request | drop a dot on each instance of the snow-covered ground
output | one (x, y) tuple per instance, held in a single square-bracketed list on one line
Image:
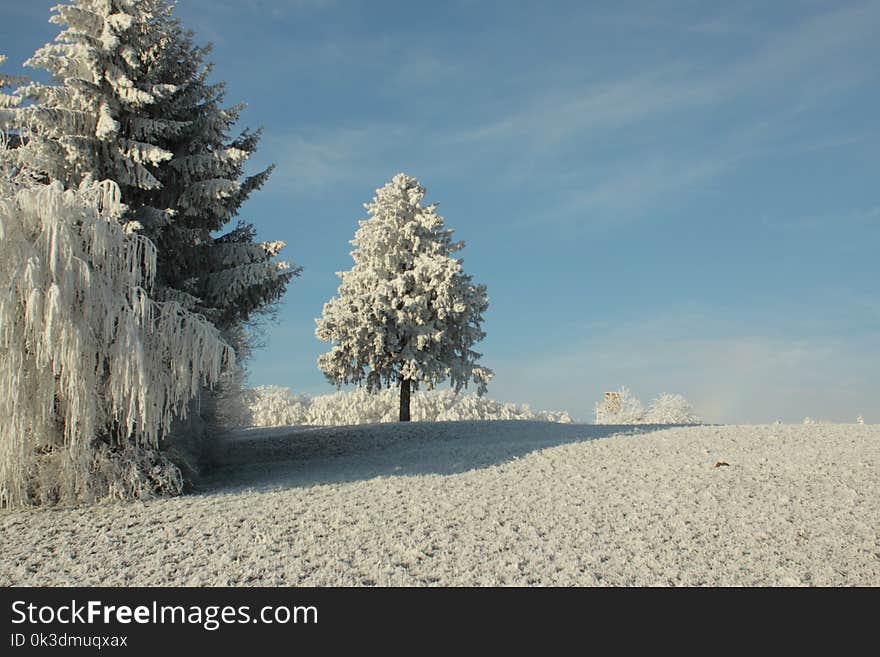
[(487, 503)]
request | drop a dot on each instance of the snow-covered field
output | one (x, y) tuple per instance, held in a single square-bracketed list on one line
[(487, 503)]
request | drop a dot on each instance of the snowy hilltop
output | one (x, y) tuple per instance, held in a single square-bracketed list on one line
[(488, 503)]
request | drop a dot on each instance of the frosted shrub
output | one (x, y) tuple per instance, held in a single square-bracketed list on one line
[(671, 409), (665, 409), (630, 410), (92, 369), (271, 406)]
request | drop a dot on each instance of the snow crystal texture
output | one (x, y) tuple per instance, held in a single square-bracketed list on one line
[(488, 503)]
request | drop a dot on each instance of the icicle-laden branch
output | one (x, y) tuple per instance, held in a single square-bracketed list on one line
[(144, 128), (203, 165), (231, 283), (7, 100), (212, 194), (225, 254), (9, 139), (92, 369)]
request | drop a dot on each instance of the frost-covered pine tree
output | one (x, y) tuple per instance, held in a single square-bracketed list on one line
[(230, 277), (406, 313), (90, 122), (92, 369), (132, 104)]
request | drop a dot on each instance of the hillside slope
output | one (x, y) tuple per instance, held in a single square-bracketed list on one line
[(487, 503)]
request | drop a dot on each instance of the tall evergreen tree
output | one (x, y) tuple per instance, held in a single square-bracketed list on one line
[(132, 104), (90, 123), (406, 312), (229, 277)]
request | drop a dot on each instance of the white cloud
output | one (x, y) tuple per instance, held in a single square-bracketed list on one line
[(313, 162), (643, 186), (555, 115), (792, 65), (804, 50)]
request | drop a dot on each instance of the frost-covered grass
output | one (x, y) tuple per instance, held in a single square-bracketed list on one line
[(275, 406), (487, 503)]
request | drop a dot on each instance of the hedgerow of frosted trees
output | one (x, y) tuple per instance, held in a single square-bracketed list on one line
[(273, 406)]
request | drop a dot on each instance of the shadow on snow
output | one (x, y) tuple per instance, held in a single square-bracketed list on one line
[(284, 457)]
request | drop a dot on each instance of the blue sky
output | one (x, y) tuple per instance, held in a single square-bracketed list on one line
[(678, 196)]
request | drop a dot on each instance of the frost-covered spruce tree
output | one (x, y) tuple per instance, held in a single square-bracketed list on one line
[(231, 277), (406, 313), (92, 369), (132, 104), (91, 122)]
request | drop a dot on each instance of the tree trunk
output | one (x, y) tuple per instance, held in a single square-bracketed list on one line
[(404, 400)]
